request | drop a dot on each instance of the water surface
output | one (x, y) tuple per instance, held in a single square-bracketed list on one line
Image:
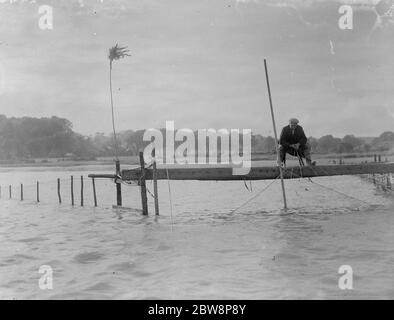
[(202, 250)]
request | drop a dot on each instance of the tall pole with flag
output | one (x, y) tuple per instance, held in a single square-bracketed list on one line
[(116, 53)]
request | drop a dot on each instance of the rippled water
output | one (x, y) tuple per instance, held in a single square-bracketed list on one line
[(204, 251)]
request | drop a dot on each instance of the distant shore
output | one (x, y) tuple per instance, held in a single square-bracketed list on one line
[(58, 162), (134, 160)]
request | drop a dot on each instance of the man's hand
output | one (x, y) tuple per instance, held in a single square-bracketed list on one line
[(295, 146)]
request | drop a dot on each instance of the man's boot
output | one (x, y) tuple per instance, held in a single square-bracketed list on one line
[(309, 162)]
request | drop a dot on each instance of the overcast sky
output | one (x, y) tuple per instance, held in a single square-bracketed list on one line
[(199, 63)]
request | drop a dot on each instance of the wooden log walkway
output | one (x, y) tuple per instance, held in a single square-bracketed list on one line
[(256, 173)]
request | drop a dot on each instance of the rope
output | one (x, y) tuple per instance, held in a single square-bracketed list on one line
[(344, 194), (334, 190), (250, 184), (132, 183), (151, 194), (301, 162), (255, 196), (384, 186)]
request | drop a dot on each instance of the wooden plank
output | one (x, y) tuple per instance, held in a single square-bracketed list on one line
[(259, 173), (102, 175)]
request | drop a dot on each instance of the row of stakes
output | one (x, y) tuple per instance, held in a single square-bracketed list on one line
[(58, 191), (376, 158), (382, 180), (142, 184)]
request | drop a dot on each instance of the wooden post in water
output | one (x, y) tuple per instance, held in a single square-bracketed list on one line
[(58, 190), (94, 193), (38, 191), (144, 199), (0, 192), (374, 158), (379, 158), (81, 191), (21, 191), (118, 185), (276, 136), (10, 191), (72, 190), (156, 194)]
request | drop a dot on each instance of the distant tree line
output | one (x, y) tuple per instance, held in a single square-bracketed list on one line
[(41, 138), (330, 144), (26, 138)]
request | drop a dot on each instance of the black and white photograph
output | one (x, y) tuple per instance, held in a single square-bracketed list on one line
[(222, 151)]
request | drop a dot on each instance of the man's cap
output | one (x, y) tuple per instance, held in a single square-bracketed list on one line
[(293, 121)]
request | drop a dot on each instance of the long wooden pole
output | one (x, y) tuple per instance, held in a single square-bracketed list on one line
[(112, 110), (118, 185), (81, 191), (72, 190), (94, 193), (38, 191), (58, 190), (144, 199), (21, 191), (155, 189), (276, 136)]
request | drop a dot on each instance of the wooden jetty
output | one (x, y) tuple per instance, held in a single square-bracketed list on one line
[(256, 173), (206, 173)]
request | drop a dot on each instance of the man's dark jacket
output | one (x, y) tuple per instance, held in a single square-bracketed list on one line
[(287, 137)]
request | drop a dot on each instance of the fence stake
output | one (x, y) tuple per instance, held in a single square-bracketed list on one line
[(156, 194), (38, 191), (72, 190), (118, 185), (58, 190), (94, 193), (144, 199), (81, 191)]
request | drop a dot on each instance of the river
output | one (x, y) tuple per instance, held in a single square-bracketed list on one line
[(198, 248)]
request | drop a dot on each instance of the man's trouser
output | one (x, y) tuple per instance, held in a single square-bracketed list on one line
[(303, 152)]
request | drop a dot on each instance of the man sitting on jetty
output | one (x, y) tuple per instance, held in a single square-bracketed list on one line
[(293, 141)]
